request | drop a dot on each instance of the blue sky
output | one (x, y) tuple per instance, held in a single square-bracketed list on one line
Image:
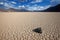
[(17, 3)]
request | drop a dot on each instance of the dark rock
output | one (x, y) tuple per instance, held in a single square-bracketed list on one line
[(37, 30)]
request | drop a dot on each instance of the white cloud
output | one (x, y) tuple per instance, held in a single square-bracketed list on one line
[(27, 7), (8, 5), (1, 3), (21, 6), (36, 1), (13, 2), (52, 0), (56, 1), (37, 8)]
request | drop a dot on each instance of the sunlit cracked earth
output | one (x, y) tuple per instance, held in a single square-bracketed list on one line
[(30, 5), (19, 26)]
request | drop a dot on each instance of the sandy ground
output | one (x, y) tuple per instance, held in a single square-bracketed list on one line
[(19, 26)]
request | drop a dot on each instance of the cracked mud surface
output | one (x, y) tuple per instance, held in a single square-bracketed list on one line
[(19, 26)]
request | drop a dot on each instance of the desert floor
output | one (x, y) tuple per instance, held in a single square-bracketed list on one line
[(19, 26)]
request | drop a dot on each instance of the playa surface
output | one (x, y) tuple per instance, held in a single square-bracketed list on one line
[(19, 26)]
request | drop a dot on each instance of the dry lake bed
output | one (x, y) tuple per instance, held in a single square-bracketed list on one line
[(29, 26)]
